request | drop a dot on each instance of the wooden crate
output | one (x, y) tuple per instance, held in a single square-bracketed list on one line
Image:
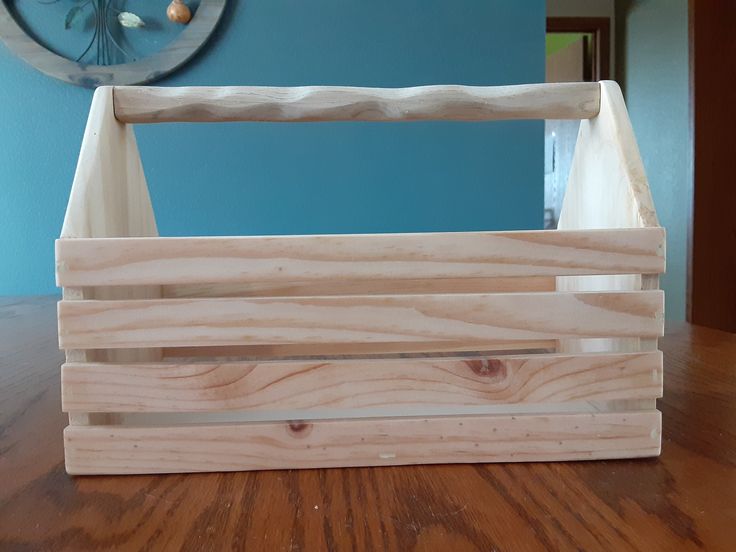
[(242, 353)]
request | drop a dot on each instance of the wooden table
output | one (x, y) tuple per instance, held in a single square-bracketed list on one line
[(684, 500)]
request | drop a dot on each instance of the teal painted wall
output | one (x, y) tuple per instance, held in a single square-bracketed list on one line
[(234, 179), (652, 67)]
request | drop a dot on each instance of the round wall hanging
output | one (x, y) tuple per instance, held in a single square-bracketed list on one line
[(107, 42)]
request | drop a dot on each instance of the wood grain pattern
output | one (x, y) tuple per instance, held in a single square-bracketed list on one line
[(109, 198), (607, 188), (360, 256), (369, 442), (683, 500), (358, 383), (136, 104), (109, 195), (356, 319)]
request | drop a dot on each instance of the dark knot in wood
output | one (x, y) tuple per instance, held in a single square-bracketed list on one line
[(487, 367), (299, 428)]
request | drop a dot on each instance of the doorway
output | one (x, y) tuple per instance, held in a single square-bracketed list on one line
[(577, 50)]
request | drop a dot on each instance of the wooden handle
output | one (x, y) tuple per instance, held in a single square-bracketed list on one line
[(142, 104)]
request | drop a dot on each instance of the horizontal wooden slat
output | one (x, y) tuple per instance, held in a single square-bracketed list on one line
[(364, 383), (325, 258), (136, 104), (361, 442), (358, 319)]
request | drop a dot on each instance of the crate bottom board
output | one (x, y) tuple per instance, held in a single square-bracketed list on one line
[(361, 442)]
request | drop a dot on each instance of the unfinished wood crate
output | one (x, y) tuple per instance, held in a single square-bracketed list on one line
[(242, 353)]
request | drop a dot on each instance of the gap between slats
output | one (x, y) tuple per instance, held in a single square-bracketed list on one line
[(176, 419)]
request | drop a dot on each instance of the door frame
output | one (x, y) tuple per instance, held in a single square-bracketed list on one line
[(711, 261), (600, 28)]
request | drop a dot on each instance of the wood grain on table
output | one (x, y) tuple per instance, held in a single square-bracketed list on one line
[(683, 500)]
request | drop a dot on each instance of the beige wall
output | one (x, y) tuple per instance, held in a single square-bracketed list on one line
[(580, 8), (653, 71)]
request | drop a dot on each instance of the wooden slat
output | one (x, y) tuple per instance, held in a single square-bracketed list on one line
[(323, 258), (364, 383), (135, 104), (358, 319), (361, 442)]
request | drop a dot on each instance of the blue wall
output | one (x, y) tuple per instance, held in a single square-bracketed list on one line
[(652, 43), (265, 178)]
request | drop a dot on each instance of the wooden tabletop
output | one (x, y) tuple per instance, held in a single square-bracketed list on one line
[(683, 500)]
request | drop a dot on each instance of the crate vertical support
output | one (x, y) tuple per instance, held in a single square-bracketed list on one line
[(607, 188), (109, 198)]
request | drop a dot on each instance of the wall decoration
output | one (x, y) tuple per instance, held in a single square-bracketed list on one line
[(179, 12), (107, 42)]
